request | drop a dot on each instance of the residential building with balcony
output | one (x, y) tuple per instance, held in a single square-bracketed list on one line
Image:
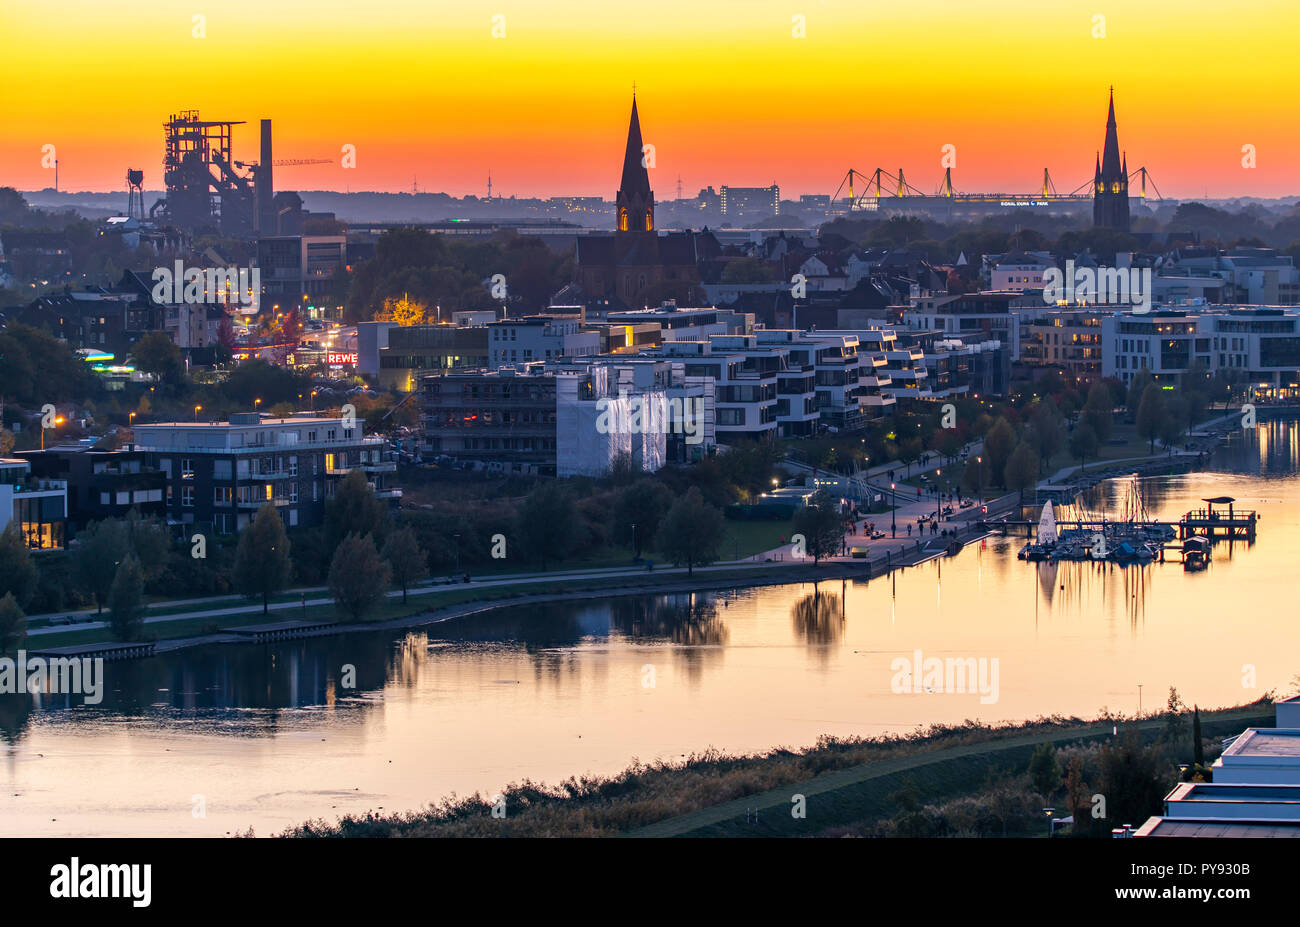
[(540, 338), (38, 506), (101, 483), (1070, 339), (218, 474), (502, 420)]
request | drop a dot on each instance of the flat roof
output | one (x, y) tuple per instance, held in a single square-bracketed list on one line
[(1266, 742), (1216, 827), (1245, 792)]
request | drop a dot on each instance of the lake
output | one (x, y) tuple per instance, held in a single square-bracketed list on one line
[(208, 741)]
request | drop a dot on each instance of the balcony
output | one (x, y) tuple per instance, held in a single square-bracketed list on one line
[(383, 466), (255, 504)]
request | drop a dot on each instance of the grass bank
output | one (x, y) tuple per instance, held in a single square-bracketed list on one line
[(715, 794)]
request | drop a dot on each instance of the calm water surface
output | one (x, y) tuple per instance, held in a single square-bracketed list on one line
[(265, 737)]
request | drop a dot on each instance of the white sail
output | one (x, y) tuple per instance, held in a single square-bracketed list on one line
[(1047, 525)]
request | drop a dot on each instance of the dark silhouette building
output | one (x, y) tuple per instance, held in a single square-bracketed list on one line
[(1110, 185), (638, 265)]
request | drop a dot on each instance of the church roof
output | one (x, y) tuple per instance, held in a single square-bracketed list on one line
[(636, 179)]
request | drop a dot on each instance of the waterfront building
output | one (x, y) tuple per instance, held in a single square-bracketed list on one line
[(1257, 345), (218, 474), (38, 506), (101, 483)]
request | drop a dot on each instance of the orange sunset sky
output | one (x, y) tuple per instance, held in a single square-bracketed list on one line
[(727, 94)]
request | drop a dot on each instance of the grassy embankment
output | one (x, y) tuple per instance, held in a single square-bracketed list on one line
[(846, 782)]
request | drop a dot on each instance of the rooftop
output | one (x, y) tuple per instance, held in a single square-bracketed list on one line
[(1215, 827), (1265, 742)]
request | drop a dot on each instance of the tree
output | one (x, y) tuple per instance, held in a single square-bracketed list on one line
[(1175, 722), (1083, 443), (150, 542), (998, 444), (126, 600), (548, 522), (157, 354), (405, 311), (692, 531), (1198, 745), (405, 558), (358, 576), (820, 524), (1022, 469), (13, 623), (1136, 389), (1078, 796), (1049, 430), (1132, 779), (17, 572), (644, 505), (1099, 412), (1044, 771), (101, 546), (354, 509), (1150, 414), (262, 564)]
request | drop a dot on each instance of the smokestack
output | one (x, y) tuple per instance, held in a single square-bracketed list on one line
[(265, 187)]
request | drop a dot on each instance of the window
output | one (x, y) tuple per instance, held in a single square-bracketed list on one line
[(187, 468), (187, 496), (222, 495)]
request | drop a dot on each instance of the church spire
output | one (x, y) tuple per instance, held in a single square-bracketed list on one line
[(1110, 206), (635, 199)]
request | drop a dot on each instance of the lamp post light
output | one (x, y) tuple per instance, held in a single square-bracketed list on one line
[(938, 492), (634, 540), (979, 478), (893, 511), (1048, 812), (197, 410), (457, 553)]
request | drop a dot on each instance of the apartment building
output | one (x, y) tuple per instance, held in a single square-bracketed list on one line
[(38, 506), (218, 474), (540, 337), (1070, 339), (101, 484), (405, 355), (1254, 344), (500, 419)]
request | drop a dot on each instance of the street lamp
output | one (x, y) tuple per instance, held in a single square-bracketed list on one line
[(197, 410), (256, 402), (938, 491), (313, 400), (979, 478), (1048, 812), (458, 553), (893, 511), (57, 423), (634, 539)]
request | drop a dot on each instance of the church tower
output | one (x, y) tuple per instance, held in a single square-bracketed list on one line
[(1110, 183), (635, 203)]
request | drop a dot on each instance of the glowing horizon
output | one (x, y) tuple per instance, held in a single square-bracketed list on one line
[(726, 97)]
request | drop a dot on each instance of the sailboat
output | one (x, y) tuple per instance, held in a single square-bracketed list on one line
[(1047, 536)]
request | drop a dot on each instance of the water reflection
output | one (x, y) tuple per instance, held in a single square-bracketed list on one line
[(819, 619), (399, 719)]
